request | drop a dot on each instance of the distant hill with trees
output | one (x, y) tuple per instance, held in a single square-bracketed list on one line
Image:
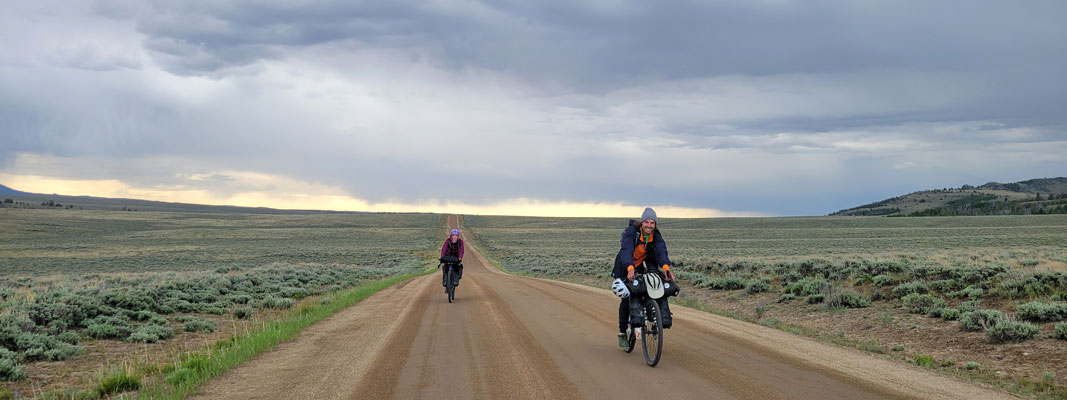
[(1034, 196)]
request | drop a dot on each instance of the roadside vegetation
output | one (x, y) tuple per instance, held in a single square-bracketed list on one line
[(988, 290), (145, 293)]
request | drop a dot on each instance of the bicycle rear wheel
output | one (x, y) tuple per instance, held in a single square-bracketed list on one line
[(652, 334), (451, 289)]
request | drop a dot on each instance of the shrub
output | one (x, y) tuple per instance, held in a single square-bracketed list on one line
[(213, 310), (35, 346), (981, 319), (970, 306), (240, 298), (199, 325), (844, 298), (816, 299), (1020, 285), (757, 286), (905, 289), (1011, 331), (728, 283), (971, 366), (278, 302), (151, 334), (807, 286), (326, 300), (949, 314), (786, 297), (242, 312), (1042, 312), (1061, 331), (923, 303), (969, 292), (10, 370), (108, 331), (883, 280), (944, 286)]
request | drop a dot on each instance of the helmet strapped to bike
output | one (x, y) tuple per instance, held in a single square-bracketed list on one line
[(653, 285), (620, 288)]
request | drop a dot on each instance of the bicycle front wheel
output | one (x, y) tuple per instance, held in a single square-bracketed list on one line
[(652, 334), (451, 289)]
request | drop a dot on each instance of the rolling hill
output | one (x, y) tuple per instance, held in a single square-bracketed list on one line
[(11, 198), (1034, 196)]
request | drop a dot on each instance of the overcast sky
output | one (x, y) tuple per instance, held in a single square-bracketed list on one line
[(767, 107)]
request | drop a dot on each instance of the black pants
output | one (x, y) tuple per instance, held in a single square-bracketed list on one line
[(637, 316), (457, 268)]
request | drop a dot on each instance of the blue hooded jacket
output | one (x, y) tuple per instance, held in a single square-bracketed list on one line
[(656, 257)]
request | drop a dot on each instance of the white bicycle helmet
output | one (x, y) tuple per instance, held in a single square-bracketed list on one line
[(620, 288)]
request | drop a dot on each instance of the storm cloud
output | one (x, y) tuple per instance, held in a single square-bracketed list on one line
[(773, 107)]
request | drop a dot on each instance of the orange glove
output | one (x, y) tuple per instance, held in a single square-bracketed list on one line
[(667, 272), (630, 273)]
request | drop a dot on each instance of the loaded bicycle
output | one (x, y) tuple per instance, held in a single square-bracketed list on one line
[(647, 289), (450, 275)]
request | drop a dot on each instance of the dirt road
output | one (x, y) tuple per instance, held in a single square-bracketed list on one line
[(514, 337)]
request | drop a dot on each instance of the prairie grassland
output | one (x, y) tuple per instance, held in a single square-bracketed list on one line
[(577, 244), (984, 297), (79, 287)]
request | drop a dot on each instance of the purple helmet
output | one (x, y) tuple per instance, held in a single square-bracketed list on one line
[(455, 231)]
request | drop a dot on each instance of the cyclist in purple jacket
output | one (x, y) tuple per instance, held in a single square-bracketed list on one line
[(453, 247)]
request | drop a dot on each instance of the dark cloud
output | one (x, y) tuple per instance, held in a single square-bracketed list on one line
[(725, 104)]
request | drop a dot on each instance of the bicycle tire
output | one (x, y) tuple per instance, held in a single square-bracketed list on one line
[(652, 334), (451, 290)]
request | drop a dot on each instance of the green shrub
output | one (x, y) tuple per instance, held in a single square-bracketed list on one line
[(844, 298), (981, 319), (1022, 285), (757, 286), (944, 286), (108, 331), (807, 287), (905, 289), (240, 298), (199, 325), (949, 314), (242, 312), (816, 299), (117, 384), (970, 292), (924, 361), (1061, 331), (35, 346), (151, 334), (970, 306), (971, 366), (728, 283), (922, 303), (213, 310), (786, 297), (278, 302), (1042, 312), (883, 280), (1011, 331), (326, 300), (10, 370)]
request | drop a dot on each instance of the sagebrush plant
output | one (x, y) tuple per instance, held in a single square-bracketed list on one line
[(1042, 312), (1061, 331), (981, 319), (1007, 330), (922, 303)]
